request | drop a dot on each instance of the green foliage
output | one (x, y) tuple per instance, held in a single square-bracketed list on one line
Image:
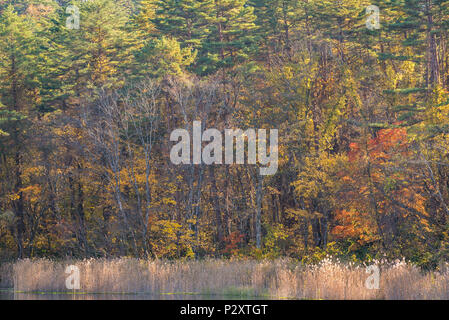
[(163, 57)]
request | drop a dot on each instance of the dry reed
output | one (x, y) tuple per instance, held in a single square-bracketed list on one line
[(273, 279), (6, 275)]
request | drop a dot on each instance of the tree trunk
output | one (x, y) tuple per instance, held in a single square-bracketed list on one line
[(216, 204), (258, 210)]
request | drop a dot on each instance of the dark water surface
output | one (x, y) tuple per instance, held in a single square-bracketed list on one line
[(9, 294)]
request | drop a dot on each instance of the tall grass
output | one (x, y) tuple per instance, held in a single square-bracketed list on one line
[(6, 275), (274, 279)]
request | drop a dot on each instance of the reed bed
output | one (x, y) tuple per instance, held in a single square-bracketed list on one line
[(271, 279), (6, 275)]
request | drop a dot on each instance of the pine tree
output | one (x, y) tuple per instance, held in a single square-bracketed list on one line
[(411, 30), (232, 39), (19, 93), (187, 21), (146, 16), (162, 57), (99, 54)]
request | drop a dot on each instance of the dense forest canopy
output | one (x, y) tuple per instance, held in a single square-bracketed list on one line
[(86, 114)]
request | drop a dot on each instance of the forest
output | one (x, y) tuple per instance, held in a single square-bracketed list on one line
[(91, 90)]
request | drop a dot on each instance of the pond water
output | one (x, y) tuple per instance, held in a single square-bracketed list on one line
[(9, 294)]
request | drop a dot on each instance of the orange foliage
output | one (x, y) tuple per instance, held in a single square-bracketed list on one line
[(386, 141), (232, 243), (373, 177)]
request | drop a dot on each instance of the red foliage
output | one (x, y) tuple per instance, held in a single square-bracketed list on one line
[(378, 148), (355, 220), (232, 243)]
